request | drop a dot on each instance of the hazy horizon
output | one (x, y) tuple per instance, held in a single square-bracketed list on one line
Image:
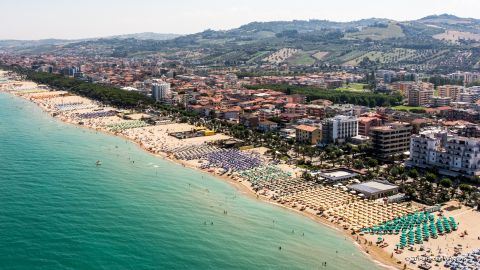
[(34, 20)]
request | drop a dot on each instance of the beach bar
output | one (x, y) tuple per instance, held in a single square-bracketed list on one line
[(375, 189), (336, 175)]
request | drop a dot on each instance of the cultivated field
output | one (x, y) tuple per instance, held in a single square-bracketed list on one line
[(301, 58), (378, 33), (281, 55), (454, 36), (320, 55)]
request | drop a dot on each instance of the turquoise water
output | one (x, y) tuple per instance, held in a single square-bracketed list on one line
[(59, 211)]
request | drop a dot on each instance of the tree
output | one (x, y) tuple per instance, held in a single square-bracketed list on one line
[(410, 192), (413, 173), (430, 177), (446, 183), (288, 91), (357, 164), (372, 163), (394, 171), (465, 188)]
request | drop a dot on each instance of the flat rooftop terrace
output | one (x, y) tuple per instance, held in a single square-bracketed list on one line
[(373, 187)]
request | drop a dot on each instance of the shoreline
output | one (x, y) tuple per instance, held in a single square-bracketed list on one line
[(375, 254)]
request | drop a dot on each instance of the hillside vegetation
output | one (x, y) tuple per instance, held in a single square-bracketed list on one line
[(438, 43)]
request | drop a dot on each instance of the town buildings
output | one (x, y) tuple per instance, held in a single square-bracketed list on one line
[(404, 87)]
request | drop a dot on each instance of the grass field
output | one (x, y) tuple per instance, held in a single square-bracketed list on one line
[(353, 87), (378, 33), (320, 55), (301, 58), (454, 36)]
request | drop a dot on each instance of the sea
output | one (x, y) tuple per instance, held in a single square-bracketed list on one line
[(59, 210)]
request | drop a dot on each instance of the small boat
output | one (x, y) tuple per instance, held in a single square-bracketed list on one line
[(98, 163)]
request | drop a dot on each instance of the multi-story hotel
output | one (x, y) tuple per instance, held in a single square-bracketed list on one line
[(450, 154), (365, 123), (391, 140), (161, 91), (340, 128)]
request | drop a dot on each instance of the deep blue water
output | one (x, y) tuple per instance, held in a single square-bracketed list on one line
[(60, 211)]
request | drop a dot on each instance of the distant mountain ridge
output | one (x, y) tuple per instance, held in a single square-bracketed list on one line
[(146, 36), (434, 43), (54, 41)]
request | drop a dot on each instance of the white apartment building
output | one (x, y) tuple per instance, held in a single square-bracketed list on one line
[(161, 91), (340, 128), (451, 154)]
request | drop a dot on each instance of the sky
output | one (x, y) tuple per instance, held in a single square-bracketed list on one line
[(39, 19)]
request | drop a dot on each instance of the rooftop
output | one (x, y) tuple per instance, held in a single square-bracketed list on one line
[(391, 126), (306, 128), (372, 187), (338, 174)]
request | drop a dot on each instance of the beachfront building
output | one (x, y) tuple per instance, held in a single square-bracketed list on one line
[(161, 91), (391, 140), (449, 153), (307, 134), (375, 189), (339, 129), (337, 175)]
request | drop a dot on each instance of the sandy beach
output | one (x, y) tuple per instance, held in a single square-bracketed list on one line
[(330, 206)]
